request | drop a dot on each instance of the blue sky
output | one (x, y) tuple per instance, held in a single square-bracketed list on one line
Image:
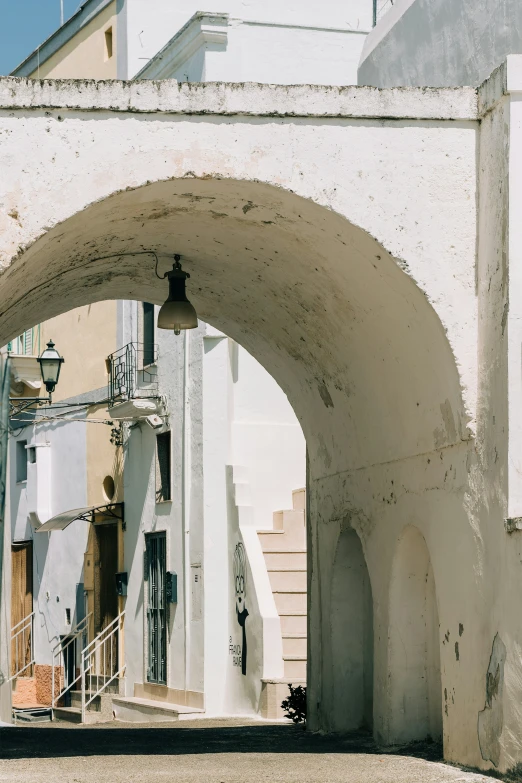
[(26, 23)]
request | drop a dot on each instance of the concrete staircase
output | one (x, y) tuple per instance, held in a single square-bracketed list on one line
[(100, 710), (284, 549)]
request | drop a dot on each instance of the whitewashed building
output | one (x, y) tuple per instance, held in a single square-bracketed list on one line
[(209, 448)]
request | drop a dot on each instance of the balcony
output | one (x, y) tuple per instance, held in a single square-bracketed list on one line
[(133, 382)]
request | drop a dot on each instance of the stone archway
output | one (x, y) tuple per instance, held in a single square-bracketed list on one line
[(333, 317)]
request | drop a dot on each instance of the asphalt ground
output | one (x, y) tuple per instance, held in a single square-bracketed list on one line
[(212, 751)]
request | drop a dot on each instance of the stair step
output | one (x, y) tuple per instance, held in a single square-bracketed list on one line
[(295, 647), (275, 542), (291, 603), (288, 581), (291, 537), (293, 623), (70, 714), (295, 668), (137, 710), (299, 499), (293, 560), (96, 705), (32, 715)]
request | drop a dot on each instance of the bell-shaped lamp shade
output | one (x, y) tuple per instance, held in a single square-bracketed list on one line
[(177, 316), (50, 366), (177, 313)]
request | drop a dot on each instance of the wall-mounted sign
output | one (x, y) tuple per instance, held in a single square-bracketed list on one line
[(235, 651), (241, 589)]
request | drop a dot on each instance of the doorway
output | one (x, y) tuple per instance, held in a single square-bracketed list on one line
[(155, 575), (106, 568), (105, 596), (21, 607)]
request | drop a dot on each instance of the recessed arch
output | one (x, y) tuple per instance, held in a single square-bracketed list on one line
[(351, 626), (415, 690)]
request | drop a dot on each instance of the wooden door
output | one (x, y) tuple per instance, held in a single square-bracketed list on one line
[(106, 568), (105, 596), (21, 605)]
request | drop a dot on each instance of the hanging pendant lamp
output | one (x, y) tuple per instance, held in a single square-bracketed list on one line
[(177, 313)]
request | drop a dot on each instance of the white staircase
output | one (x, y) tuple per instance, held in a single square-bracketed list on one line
[(284, 549)]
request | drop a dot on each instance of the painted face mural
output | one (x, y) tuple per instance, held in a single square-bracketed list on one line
[(240, 587)]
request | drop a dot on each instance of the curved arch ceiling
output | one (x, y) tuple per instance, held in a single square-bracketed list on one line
[(328, 312)]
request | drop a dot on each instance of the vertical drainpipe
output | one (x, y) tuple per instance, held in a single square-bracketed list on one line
[(186, 470)]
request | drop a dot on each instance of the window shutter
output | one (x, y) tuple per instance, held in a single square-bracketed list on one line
[(28, 342)]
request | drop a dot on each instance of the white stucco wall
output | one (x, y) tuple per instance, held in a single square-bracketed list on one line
[(57, 556), (441, 42), (223, 48), (149, 26), (267, 440)]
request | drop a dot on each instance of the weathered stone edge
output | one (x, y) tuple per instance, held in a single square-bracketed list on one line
[(233, 99)]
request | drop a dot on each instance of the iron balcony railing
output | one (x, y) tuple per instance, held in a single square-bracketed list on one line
[(381, 7), (132, 372)]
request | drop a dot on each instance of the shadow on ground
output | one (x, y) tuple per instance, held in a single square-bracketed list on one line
[(49, 742)]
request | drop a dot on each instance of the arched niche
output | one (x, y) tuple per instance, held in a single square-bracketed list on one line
[(351, 623), (414, 680)]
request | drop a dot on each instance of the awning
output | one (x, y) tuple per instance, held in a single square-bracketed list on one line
[(89, 514)]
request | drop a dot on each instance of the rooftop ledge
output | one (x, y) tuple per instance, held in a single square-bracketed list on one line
[(264, 100), (239, 99)]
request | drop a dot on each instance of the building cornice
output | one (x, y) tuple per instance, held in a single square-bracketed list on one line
[(200, 30), (239, 99), (204, 28)]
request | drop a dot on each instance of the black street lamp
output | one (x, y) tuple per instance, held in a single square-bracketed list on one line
[(50, 365)]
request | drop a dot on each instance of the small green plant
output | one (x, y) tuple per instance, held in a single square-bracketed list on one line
[(295, 705)]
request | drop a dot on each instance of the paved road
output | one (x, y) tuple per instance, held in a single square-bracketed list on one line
[(209, 752)]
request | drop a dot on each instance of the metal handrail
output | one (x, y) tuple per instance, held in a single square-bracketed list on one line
[(58, 653), (27, 624), (98, 658)]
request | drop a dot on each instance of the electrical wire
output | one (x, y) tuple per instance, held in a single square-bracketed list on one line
[(83, 266)]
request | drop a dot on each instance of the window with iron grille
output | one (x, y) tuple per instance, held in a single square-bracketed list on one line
[(163, 467), (381, 7), (149, 353), (157, 607)]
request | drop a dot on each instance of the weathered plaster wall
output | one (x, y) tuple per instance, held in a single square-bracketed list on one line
[(497, 471), (357, 293), (441, 42)]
